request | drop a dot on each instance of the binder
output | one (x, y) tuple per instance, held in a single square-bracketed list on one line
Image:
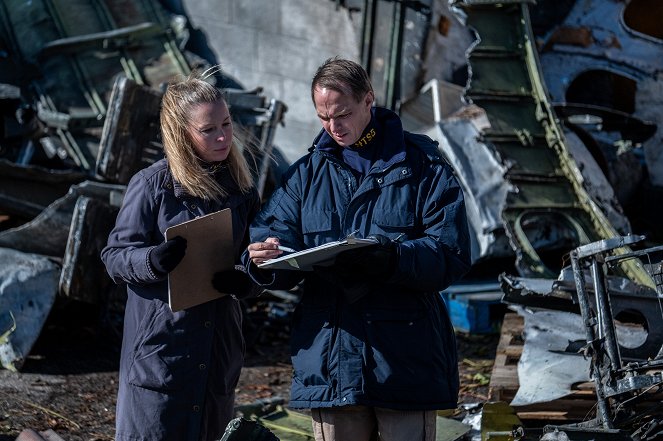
[(322, 255)]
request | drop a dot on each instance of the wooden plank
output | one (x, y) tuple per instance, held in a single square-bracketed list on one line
[(504, 377)]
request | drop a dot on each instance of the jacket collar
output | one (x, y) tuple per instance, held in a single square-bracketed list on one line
[(221, 174), (389, 131)]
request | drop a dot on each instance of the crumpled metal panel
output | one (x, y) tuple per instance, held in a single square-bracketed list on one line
[(47, 233), (551, 363), (483, 174), (610, 45), (546, 371), (83, 274), (28, 286), (596, 184)]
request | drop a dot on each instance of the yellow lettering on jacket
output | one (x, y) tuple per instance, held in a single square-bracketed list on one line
[(366, 138)]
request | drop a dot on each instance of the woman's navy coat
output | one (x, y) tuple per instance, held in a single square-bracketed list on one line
[(395, 346), (178, 371)]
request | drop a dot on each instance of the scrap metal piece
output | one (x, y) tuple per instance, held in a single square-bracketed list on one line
[(617, 67), (28, 286), (48, 232), (636, 308), (83, 275), (546, 370), (122, 38), (128, 140), (25, 191), (241, 429), (619, 385)]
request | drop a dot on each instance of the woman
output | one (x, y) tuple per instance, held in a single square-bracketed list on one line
[(178, 371)]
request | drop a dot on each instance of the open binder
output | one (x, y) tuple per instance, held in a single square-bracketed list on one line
[(322, 255)]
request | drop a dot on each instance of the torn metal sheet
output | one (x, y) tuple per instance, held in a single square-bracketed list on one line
[(551, 361), (477, 168), (28, 286), (607, 53), (596, 184), (26, 190), (546, 371)]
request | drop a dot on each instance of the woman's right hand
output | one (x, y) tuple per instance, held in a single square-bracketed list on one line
[(260, 252), (167, 255)]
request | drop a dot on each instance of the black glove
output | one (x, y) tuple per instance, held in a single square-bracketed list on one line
[(377, 260), (166, 256), (352, 286), (232, 281)]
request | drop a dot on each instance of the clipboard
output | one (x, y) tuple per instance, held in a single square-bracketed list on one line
[(322, 255), (209, 249)]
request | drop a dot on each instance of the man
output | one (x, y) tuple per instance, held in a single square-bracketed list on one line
[(373, 350)]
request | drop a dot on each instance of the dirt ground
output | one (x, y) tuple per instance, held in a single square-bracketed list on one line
[(69, 381)]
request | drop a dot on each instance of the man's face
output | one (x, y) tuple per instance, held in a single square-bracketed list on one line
[(341, 116)]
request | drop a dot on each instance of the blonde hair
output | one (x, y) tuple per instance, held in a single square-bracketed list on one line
[(182, 94)]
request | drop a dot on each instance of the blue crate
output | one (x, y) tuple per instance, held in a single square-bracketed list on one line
[(475, 313)]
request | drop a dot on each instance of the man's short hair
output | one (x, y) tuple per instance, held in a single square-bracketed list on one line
[(343, 76)]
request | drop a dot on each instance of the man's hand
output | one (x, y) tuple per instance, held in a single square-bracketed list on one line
[(166, 256), (379, 260), (260, 252)]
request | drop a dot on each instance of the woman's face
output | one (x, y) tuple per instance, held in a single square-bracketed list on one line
[(211, 130)]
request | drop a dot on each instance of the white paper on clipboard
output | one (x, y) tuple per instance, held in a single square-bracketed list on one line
[(209, 249), (321, 255)]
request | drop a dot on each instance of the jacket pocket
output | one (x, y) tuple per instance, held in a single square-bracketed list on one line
[(310, 345), (398, 352), (392, 222), (316, 221), (319, 226), (160, 359)]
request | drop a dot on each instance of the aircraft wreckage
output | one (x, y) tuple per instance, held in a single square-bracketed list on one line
[(550, 117)]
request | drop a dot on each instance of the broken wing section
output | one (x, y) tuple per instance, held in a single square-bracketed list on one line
[(511, 154)]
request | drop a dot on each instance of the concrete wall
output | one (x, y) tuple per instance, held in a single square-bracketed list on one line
[(278, 45)]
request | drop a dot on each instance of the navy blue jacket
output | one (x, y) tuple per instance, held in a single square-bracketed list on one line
[(395, 346), (178, 371)]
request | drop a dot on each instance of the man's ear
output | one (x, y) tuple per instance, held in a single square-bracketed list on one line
[(369, 98)]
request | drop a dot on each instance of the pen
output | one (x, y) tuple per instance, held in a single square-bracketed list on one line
[(286, 249)]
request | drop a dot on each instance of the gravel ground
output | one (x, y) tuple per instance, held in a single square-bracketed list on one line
[(69, 381)]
